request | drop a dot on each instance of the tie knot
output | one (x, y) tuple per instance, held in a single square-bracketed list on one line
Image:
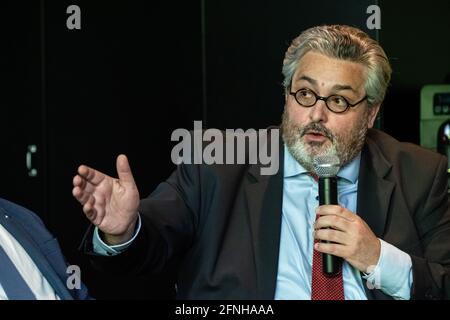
[(314, 176)]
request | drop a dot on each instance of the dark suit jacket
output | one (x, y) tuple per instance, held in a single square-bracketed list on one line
[(220, 224), (28, 229)]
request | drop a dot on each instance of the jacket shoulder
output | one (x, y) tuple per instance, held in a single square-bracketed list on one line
[(404, 155), (29, 220), (18, 211)]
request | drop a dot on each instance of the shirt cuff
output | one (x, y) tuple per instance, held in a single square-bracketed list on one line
[(392, 274), (101, 248)]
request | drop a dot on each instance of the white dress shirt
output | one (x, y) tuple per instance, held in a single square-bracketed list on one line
[(26, 267)]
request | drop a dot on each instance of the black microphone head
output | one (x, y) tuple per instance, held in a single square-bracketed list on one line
[(326, 165)]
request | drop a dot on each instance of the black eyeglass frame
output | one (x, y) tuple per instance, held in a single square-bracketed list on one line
[(325, 99)]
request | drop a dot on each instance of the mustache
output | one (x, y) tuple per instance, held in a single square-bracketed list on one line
[(314, 126)]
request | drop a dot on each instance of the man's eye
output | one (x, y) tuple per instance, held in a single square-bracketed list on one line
[(338, 100), (306, 94)]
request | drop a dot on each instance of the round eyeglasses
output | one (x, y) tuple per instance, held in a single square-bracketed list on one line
[(335, 103)]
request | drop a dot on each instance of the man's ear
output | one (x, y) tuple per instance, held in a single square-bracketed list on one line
[(372, 114)]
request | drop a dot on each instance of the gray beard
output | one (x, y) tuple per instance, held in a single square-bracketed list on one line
[(346, 147)]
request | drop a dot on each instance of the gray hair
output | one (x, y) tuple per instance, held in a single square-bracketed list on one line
[(346, 43)]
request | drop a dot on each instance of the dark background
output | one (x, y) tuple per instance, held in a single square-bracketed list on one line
[(137, 70)]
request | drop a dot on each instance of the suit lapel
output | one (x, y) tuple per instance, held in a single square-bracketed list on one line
[(374, 194), (35, 254), (264, 200)]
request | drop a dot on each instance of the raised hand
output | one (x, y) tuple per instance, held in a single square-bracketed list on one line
[(109, 203)]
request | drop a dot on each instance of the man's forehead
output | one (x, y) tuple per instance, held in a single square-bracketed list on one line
[(337, 86), (321, 70)]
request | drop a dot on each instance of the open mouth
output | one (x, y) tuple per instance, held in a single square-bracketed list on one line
[(315, 133), (315, 136)]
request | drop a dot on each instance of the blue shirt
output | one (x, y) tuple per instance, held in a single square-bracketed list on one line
[(296, 243), (300, 201)]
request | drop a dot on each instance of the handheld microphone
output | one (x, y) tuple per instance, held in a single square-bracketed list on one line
[(326, 168)]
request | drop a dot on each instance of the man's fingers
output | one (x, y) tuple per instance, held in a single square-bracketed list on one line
[(90, 175), (335, 236), (83, 185), (81, 195), (331, 248), (124, 170), (335, 210), (332, 221), (78, 181), (88, 208), (83, 171), (76, 192)]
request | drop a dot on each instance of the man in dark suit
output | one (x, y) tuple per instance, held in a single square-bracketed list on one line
[(32, 265), (234, 233)]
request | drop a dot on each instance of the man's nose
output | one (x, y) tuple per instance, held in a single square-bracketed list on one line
[(319, 112)]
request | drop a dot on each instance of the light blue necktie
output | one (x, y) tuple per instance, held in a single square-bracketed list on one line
[(12, 282)]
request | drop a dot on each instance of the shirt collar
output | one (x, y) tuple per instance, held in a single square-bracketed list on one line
[(350, 171), (292, 168)]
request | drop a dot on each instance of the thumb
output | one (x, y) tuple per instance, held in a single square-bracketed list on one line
[(124, 170)]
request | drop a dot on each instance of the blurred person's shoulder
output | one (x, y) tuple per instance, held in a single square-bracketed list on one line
[(28, 219)]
